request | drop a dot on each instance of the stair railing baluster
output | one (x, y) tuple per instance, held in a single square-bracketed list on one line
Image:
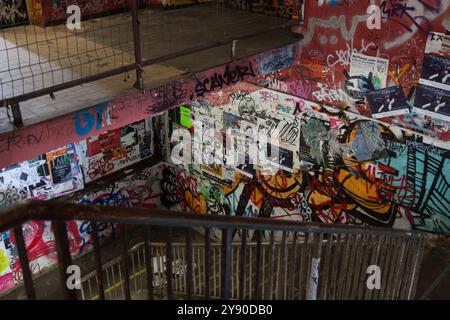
[(98, 260), (24, 263), (64, 258)]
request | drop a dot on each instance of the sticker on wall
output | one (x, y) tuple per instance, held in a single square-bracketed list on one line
[(367, 72), (117, 149), (60, 165), (387, 102), (53, 174), (315, 135), (433, 102), (438, 44), (185, 117), (4, 260), (6, 275), (436, 72)]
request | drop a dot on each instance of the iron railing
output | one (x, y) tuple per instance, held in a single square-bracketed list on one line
[(275, 259), (290, 280)]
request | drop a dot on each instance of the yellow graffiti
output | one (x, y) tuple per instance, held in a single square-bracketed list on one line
[(279, 185), (4, 261), (196, 203)]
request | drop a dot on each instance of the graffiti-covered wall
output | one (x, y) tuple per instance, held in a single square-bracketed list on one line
[(332, 166), (69, 168), (345, 63), (100, 140), (66, 170), (136, 190), (12, 13)]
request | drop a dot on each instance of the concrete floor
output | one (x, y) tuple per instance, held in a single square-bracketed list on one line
[(32, 58)]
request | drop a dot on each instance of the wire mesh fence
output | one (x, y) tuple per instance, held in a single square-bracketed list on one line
[(46, 54), (33, 58)]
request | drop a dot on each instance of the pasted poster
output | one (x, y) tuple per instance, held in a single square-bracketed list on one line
[(433, 102), (6, 278), (60, 167), (117, 149), (314, 134), (53, 174), (366, 74), (438, 44), (282, 132), (436, 72), (387, 102), (433, 91)]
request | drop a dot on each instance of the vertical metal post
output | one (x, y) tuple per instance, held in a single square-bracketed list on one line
[(189, 262), (64, 257), (417, 265), (269, 295), (98, 260), (226, 256), (326, 268), (293, 269), (137, 44), (24, 263), (242, 264), (169, 266), (303, 273), (17, 115), (233, 50), (282, 270), (258, 265), (207, 265), (149, 262), (124, 254), (315, 268)]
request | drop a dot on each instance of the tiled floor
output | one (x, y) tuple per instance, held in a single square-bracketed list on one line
[(32, 58)]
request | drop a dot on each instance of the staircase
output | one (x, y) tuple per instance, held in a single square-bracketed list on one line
[(257, 258)]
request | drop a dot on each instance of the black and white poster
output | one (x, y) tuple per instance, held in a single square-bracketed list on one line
[(436, 72), (387, 102), (433, 102)]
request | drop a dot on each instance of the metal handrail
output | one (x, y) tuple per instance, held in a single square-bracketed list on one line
[(61, 211)]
